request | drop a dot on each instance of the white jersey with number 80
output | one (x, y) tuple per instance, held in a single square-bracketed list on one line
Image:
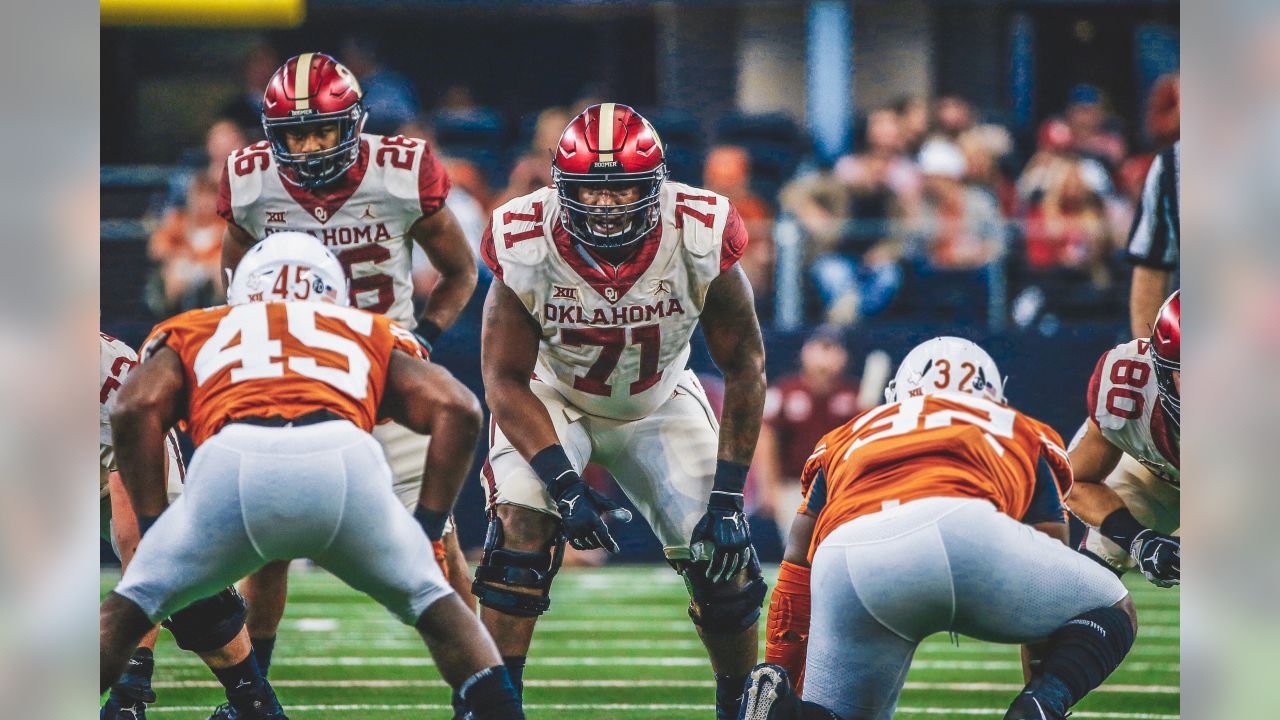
[(1124, 400)]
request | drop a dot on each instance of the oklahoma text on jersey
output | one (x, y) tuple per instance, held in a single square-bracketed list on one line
[(614, 340)]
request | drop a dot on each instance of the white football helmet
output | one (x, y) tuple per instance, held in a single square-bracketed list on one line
[(946, 363), (311, 272)]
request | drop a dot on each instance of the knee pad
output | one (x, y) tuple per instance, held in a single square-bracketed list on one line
[(1084, 651), (725, 608), (530, 571), (209, 624)]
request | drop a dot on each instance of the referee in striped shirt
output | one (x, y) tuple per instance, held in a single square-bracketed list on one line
[(1153, 241)]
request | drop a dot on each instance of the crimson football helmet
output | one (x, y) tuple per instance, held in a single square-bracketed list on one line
[(609, 144), (313, 89), (1166, 355)]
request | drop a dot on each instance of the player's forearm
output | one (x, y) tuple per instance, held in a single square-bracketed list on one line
[(1146, 295), (1093, 502), (139, 437), (521, 416), (744, 389), (455, 429), (787, 626), (448, 298)]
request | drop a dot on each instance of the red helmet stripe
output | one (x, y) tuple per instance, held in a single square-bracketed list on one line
[(302, 82), (606, 132)]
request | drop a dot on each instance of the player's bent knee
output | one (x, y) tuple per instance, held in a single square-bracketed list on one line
[(725, 608), (1126, 604), (512, 581), (209, 624), (1105, 632)]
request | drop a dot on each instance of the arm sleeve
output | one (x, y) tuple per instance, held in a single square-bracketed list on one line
[(224, 199), (1046, 503), (1095, 385), (433, 182), (734, 242), (815, 489), (488, 252), (787, 627)]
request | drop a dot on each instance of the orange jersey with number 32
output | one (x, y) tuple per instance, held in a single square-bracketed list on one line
[(946, 444), (281, 359)]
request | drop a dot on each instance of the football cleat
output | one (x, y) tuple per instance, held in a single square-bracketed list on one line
[(768, 695), (1027, 707), (256, 703)]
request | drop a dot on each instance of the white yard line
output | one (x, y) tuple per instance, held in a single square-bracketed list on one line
[(665, 661), (381, 684), (622, 707)]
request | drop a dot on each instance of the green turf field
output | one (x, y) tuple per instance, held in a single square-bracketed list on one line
[(618, 644)]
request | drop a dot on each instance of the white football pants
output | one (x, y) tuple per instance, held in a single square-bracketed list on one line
[(883, 582), (257, 494)]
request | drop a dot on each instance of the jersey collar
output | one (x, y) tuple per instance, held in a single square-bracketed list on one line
[(331, 198), (600, 275)]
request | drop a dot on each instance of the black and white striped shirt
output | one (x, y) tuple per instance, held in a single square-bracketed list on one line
[(1154, 237)]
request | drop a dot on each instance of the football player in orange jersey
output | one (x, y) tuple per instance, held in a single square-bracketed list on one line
[(370, 199), (279, 390), (924, 515)]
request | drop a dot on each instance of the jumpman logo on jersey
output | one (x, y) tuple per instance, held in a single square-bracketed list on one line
[(368, 213)]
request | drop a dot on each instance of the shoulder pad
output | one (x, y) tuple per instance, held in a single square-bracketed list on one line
[(521, 228), (246, 169), (401, 182), (698, 215)]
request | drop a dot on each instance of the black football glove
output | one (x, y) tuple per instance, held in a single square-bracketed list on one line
[(1159, 557), (582, 514), (723, 527)]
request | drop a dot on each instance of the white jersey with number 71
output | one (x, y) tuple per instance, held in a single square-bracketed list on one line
[(614, 339)]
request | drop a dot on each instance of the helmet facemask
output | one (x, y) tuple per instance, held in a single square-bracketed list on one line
[(312, 170), (636, 219), (1170, 398)]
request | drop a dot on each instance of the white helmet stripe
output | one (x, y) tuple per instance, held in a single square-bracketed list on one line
[(302, 81), (606, 132)]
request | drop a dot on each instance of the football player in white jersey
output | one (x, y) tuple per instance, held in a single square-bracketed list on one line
[(1126, 458), (599, 283), (368, 198), (214, 627)]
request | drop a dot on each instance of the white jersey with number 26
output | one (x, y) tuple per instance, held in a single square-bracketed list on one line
[(363, 217)]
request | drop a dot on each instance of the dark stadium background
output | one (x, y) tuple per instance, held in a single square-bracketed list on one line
[(1015, 63)]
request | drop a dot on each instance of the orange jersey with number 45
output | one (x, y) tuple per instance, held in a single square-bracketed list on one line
[(282, 359), (946, 444)]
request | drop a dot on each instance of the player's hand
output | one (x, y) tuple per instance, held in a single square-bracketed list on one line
[(1159, 557), (724, 527), (582, 513)]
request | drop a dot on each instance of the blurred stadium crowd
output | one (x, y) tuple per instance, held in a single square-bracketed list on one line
[(937, 212)]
